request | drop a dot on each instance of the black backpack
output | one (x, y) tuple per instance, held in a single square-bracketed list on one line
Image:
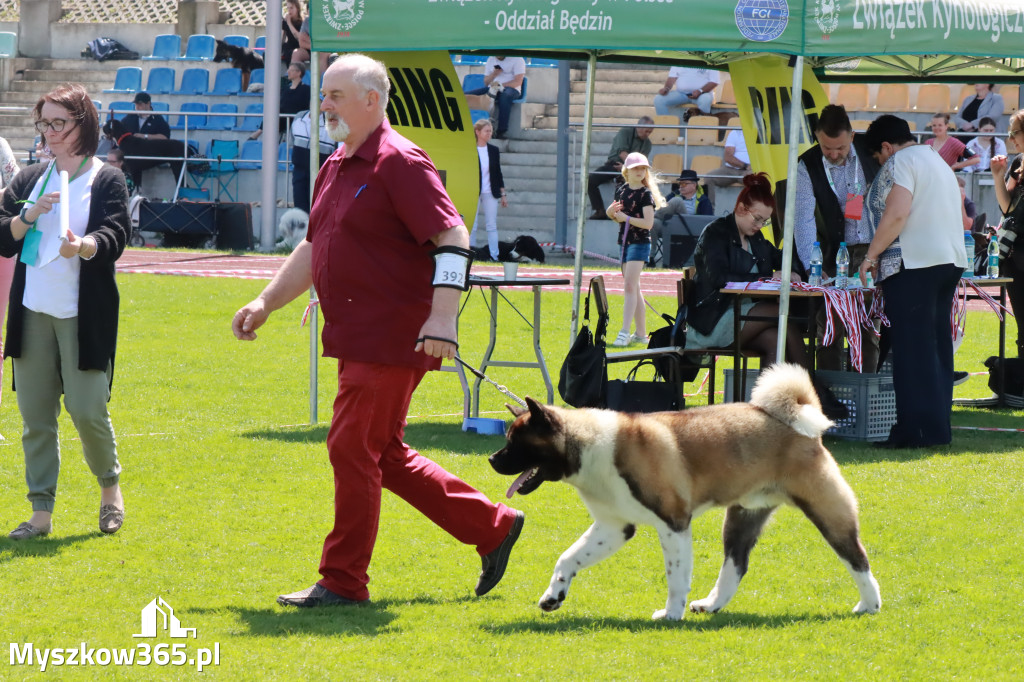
[(102, 49)]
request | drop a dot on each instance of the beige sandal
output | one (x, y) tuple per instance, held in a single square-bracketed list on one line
[(111, 518), (26, 530)]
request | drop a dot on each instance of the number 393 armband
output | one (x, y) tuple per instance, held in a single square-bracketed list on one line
[(451, 267)]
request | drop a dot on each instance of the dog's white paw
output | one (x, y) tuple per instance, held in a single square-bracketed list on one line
[(861, 607), (706, 605), (665, 614)]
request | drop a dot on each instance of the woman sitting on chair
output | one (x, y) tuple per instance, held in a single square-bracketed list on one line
[(732, 249)]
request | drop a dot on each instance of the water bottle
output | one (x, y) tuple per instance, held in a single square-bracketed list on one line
[(842, 267), (870, 283), (814, 277), (969, 249), (993, 257)]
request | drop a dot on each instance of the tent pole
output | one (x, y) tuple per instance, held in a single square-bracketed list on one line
[(581, 215), (271, 108), (795, 125), (314, 167), (562, 167)]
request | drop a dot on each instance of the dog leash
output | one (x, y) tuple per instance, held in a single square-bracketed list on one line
[(474, 371)]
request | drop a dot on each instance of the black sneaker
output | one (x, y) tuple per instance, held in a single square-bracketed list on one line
[(598, 215), (960, 377), (495, 563), (317, 595)]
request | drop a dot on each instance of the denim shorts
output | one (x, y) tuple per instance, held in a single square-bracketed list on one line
[(640, 252)]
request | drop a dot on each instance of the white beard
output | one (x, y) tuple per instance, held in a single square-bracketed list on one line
[(340, 131)]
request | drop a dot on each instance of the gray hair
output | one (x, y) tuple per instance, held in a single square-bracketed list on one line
[(646, 119), (368, 73)]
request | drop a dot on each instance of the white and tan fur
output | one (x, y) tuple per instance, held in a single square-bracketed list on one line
[(665, 469)]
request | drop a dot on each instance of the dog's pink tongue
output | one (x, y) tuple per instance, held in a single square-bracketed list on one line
[(518, 483)]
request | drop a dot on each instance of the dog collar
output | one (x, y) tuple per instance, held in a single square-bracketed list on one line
[(121, 139)]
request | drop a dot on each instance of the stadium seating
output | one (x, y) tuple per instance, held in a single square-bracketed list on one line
[(860, 125), (166, 46), (543, 63), (194, 82), (260, 44), (478, 115), (665, 135), (473, 59), (252, 123), (222, 122), (127, 80), (668, 164), (1011, 97), (522, 92), (284, 157), (932, 98), (727, 98), (121, 109), (853, 96), (8, 44), (160, 81), (472, 81), (734, 122), (704, 164), (196, 116), (696, 135), (227, 82), (252, 155), (200, 47), (240, 41), (255, 76), (160, 107), (893, 97), (965, 92)]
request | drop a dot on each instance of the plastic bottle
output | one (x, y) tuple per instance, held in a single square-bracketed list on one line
[(993, 258), (871, 281), (814, 277), (969, 249), (842, 267)]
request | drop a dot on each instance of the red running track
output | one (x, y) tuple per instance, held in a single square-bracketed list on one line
[(190, 264)]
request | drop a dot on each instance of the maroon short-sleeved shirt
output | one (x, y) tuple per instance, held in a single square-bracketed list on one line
[(371, 222)]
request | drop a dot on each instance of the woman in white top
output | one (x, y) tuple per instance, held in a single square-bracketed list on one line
[(917, 255), (63, 308), (985, 145), (492, 187)]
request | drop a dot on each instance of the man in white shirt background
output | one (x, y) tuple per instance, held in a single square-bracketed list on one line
[(687, 86), (503, 80), (735, 164)]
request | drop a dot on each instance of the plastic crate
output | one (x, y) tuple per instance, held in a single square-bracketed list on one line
[(871, 401), (752, 375)]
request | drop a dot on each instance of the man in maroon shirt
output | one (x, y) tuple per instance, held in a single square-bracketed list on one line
[(379, 214)]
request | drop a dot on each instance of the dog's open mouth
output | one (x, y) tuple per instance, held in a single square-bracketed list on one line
[(523, 478)]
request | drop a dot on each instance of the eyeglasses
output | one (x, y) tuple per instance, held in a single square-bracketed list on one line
[(1018, 131), (56, 125), (759, 221)]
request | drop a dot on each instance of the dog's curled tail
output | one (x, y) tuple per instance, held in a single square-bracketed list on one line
[(785, 392)]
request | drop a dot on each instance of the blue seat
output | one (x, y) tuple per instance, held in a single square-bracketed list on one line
[(255, 76), (160, 106), (239, 41), (121, 109), (522, 93), (128, 79), (166, 46), (98, 104), (8, 44), (543, 63), (221, 122), (478, 115), (194, 82), (261, 43), (200, 47), (284, 157), (160, 81), (473, 59), (306, 78), (472, 81), (196, 116), (227, 82), (252, 155), (251, 123)]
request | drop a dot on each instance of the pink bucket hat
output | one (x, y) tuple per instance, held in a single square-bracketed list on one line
[(635, 159)]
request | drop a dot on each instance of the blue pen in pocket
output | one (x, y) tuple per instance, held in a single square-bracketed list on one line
[(360, 190)]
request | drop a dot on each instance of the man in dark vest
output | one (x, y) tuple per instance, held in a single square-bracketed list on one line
[(832, 181)]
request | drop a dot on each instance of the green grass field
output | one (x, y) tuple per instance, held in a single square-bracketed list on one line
[(228, 494)]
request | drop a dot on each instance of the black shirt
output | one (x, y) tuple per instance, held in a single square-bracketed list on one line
[(154, 124), (633, 202)]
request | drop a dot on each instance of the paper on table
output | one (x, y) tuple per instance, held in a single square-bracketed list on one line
[(754, 286)]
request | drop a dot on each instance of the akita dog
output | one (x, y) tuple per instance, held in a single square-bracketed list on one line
[(664, 469)]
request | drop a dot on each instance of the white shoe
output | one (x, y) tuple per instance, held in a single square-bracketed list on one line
[(640, 339), (622, 339)]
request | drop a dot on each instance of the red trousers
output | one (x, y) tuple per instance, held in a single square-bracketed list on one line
[(367, 453)]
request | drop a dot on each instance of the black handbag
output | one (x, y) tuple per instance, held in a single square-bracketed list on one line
[(673, 335), (583, 379), (630, 395)]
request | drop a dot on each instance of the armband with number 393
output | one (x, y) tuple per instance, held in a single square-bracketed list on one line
[(451, 267)]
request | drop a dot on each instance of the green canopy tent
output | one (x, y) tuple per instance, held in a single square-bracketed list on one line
[(860, 40)]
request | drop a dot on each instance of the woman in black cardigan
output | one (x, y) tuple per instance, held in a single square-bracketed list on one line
[(62, 321), (493, 192)]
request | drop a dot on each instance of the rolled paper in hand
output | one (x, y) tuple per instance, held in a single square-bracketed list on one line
[(65, 205)]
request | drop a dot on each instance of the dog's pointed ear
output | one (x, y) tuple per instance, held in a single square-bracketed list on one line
[(540, 416), (516, 410)]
